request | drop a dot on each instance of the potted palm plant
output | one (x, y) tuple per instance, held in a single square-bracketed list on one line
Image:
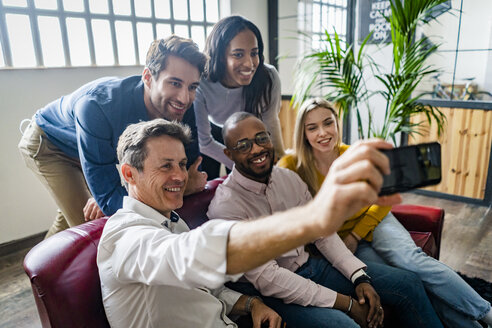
[(340, 73)]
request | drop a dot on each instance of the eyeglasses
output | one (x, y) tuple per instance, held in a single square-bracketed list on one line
[(261, 139)]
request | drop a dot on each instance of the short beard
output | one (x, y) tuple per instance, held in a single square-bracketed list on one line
[(264, 176)]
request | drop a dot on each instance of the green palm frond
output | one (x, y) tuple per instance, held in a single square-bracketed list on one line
[(338, 73)]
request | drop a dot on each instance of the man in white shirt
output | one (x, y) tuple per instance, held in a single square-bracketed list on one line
[(155, 272)]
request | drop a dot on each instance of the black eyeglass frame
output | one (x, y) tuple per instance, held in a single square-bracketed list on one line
[(249, 142)]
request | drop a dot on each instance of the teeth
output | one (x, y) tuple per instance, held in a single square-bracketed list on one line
[(246, 73), (173, 189), (180, 107), (259, 160), (325, 141)]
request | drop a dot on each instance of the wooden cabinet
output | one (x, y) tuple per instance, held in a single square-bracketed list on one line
[(466, 145)]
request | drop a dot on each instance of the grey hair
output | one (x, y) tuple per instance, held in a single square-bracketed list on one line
[(132, 148)]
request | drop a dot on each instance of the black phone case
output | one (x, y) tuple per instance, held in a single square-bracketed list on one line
[(412, 167)]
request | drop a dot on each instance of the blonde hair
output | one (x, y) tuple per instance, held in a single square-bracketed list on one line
[(303, 152)]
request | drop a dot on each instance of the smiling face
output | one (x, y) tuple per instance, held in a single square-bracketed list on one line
[(321, 131), (162, 181), (173, 92), (256, 164), (242, 60)]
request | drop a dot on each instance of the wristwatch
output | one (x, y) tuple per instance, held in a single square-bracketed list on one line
[(359, 277)]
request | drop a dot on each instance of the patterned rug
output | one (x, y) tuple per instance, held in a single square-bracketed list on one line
[(482, 287)]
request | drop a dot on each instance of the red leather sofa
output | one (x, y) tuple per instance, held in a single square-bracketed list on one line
[(65, 281)]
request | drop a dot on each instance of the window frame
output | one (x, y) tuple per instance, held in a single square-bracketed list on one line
[(324, 6), (34, 13)]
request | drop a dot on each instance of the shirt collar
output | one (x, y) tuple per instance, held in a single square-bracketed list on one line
[(148, 212), (247, 183)]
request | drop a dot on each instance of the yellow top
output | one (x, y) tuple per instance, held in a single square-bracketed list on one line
[(363, 222)]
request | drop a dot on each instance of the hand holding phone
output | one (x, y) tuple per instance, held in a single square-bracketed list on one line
[(412, 167)]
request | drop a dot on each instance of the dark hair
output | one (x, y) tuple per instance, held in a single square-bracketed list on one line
[(177, 46), (132, 144), (258, 92), (232, 120)]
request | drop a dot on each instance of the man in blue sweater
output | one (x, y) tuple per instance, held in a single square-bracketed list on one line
[(70, 144)]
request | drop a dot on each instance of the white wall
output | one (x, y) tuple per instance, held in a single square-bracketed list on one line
[(257, 12), (26, 206), (288, 44)]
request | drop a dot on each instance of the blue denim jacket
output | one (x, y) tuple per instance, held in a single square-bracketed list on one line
[(87, 123)]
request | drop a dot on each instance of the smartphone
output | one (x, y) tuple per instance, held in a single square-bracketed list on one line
[(412, 167)]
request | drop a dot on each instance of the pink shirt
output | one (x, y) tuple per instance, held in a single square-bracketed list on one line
[(240, 198)]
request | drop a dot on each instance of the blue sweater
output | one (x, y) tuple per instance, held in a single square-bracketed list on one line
[(87, 123)]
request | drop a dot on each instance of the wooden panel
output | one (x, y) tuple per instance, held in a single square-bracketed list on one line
[(466, 144), (287, 118)]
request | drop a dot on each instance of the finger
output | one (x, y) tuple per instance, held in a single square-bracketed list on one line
[(375, 305), (85, 210), (278, 322), (196, 164), (378, 318), (366, 150), (374, 322), (363, 170), (372, 315), (256, 322), (99, 214), (360, 294), (389, 200), (94, 210), (88, 212)]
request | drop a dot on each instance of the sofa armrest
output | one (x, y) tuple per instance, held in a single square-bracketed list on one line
[(421, 218)]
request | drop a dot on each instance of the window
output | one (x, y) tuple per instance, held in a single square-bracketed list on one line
[(329, 16), (301, 28), (320, 16), (56, 33), (464, 56)]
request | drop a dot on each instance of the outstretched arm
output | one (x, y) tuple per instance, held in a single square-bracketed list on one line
[(352, 183)]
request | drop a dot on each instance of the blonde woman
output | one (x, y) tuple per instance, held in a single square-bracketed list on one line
[(374, 233)]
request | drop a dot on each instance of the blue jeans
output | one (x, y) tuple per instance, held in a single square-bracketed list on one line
[(454, 300), (397, 288)]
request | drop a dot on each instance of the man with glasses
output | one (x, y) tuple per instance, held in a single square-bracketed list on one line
[(70, 144), (308, 291)]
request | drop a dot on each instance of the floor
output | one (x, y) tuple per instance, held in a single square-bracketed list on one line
[(466, 247)]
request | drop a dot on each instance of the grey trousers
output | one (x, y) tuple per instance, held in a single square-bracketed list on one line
[(59, 173)]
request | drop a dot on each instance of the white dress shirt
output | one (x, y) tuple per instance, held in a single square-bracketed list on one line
[(158, 273)]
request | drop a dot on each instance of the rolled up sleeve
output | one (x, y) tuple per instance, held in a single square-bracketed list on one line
[(272, 280), (335, 251), (155, 256)]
